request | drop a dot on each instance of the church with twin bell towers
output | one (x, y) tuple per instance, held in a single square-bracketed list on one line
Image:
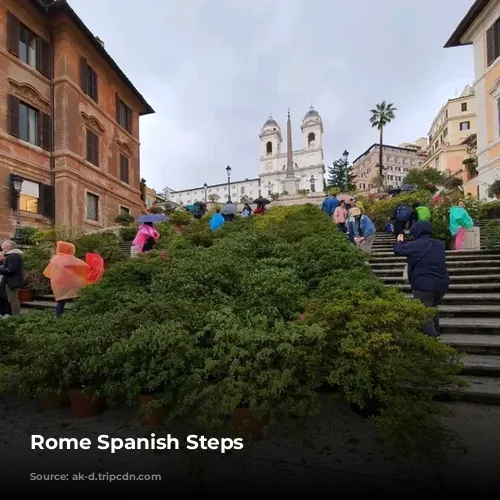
[(290, 171)]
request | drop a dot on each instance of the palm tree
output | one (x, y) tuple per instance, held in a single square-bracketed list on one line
[(382, 115)]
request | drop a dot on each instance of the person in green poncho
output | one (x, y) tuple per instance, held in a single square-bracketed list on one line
[(460, 220)]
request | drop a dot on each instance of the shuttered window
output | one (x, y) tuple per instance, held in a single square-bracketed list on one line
[(29, 124), (493, 42), (123, 114), (88, 80), (92, 155), (28, 46), (124, 168)]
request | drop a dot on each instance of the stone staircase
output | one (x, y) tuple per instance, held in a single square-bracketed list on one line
[(469, 314), (42, 302)]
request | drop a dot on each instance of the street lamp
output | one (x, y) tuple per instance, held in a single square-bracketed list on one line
[(346, 156), (17, 184), (205, 187), (228, 170)]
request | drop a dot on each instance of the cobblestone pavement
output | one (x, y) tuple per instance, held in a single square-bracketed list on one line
[(337, 448)]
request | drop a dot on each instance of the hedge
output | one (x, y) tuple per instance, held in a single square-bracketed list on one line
[(268, 310)]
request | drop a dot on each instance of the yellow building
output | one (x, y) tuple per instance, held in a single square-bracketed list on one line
[(481, 28), (450, 136)]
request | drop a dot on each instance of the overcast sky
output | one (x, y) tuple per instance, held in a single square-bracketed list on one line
[(213, 70)]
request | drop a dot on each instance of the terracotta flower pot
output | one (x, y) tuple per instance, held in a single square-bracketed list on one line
[(154, 418), (84, 405), (55, 401), (498, 196), (248, 425), (26, 295)]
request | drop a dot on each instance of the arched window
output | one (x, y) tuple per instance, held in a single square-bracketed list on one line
[(311, 139), (269, 148)]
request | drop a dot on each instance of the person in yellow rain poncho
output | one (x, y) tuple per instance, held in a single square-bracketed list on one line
[(68, 274)]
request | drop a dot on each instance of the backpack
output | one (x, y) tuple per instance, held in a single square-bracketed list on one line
[(403, 213), (423, 213)]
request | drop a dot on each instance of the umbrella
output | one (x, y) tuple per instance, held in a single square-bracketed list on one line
[(261, 201), (152, 218), (228, 209)]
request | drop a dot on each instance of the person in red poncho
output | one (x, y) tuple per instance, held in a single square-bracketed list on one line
[(68, 274)]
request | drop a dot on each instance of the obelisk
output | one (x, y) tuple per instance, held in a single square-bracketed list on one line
[(290, 181)]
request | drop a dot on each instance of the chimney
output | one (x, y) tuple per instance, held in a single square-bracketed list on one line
[(100, 41)]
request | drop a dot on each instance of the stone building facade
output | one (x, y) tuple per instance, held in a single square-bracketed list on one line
[(69, 122)]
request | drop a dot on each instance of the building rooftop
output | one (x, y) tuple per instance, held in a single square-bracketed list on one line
[(53, 8), (413, 149), (474, 12)]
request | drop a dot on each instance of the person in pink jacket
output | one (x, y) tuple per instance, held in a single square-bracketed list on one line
[(340, 216)]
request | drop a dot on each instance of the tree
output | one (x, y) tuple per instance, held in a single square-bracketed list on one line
[(425, 178), (382, 115), (213, 198), (244, 199), (340, 176)]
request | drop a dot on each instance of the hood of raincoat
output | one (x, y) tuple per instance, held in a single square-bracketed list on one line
[(65, 248), (419, 229)]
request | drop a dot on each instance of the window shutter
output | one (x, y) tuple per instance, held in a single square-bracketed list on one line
[(490, 45), (95, 88), (45, 131), (117, 108), (46, 201), (84, 81), (43, 57), (129, 119), (13, 114), (89, 146), (13, 194), (96, 150), (12, 34)]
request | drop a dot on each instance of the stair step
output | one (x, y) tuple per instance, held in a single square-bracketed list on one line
[(486, 326), (468, 299), (46, 298), (476, 278), (42, 304), (473, 344), (451, 264), (390, 257), (460, 310), (484, 390), (464, 287), (477, 365), (457, 272), (449, 254)]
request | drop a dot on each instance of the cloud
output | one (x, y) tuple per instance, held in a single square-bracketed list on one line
[(212, 70)]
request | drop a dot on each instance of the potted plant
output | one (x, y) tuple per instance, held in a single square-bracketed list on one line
[(257, 370), (34, 283), (158, 366), (85, 403), (494, 189)]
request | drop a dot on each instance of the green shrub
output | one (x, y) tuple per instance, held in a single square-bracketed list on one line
[(209, 321), (381, 210), (492, 236), (128, 233), (180, 218), (124, 219), (107, 245), (489, 210), (26, 235)]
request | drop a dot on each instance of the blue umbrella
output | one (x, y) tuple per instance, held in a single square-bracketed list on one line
[(152, 218)]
